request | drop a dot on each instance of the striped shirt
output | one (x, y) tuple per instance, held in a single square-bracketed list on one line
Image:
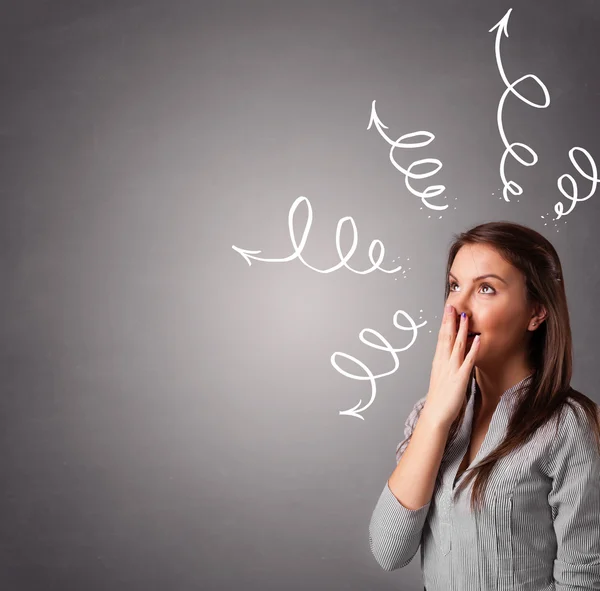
[(538, 530)]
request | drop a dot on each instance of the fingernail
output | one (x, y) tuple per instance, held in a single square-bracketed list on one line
[(448, 308), (464, 315)]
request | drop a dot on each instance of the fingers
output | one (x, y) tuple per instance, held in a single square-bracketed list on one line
[(470, 357), (460, 343), (447, 332)]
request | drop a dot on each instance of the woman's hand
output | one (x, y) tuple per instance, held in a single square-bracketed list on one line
[(450, 370)]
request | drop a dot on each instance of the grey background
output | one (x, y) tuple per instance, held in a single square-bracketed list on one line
[(170, 415)]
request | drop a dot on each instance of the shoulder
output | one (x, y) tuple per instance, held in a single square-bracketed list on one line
[(573, 421), (574, 434)]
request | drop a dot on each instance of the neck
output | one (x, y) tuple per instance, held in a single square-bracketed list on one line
[(492, 384)]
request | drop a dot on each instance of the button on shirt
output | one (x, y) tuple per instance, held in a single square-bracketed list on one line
[(539, 528)]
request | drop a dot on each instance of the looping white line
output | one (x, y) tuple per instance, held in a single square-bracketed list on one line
[(572, 196), (368, 374), (509, 185), (299, 247), (401, 142)]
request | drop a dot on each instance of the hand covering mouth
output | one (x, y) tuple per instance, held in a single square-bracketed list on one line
[(470, 333)]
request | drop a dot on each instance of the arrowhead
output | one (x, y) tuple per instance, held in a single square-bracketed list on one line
[(351, 411), (502, 24), (245, 253), (375, 118)]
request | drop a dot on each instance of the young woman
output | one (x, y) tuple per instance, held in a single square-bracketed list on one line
[(498, 474)]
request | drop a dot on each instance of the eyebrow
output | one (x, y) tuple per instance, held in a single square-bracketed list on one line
[(483, 277)]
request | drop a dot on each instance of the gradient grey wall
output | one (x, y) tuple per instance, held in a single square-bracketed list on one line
[(170, 414)]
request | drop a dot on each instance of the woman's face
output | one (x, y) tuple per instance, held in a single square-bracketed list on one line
[(496, 307)]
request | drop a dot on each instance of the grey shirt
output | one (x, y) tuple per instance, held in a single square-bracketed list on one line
[(539, 529)]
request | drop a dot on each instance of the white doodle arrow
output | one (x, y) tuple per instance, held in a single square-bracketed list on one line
[(401, 142), (511, 186)]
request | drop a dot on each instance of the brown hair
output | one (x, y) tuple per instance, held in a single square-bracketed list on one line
[(550, 352)]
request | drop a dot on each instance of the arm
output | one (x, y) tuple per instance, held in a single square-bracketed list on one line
[(574, 467), (397, 521)]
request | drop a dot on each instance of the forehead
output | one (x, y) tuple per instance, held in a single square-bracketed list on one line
[(478, 259)]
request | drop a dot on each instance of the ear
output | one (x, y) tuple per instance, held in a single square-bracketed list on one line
[(539, 315)]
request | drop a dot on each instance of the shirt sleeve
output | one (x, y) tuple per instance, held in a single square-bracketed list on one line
[(394, 530), (574, 466)]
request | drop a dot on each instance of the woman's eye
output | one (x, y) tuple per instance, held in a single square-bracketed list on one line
[(482, 285)]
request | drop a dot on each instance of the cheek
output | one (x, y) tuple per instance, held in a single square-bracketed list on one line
[(500, 338), (500, 324)]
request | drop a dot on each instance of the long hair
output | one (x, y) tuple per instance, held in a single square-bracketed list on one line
[(550, 348)]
